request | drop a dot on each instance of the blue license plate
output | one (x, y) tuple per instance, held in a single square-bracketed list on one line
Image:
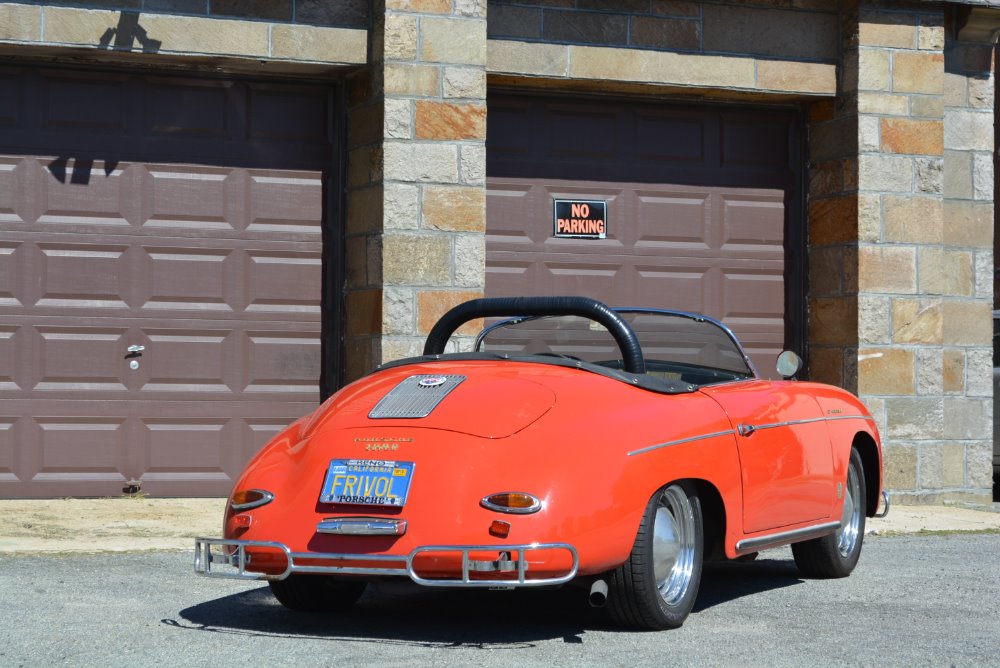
[(367, 482)]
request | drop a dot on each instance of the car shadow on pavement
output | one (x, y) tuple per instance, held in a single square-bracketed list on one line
[(453, 618)]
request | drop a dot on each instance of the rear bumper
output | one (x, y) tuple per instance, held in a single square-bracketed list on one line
[(510, 569)]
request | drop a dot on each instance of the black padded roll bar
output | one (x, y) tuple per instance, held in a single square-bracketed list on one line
[(510, 307)]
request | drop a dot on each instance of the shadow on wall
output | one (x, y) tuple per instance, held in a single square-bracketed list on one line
[(127, 33)]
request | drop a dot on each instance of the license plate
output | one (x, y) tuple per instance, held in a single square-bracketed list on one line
[(367, 482)]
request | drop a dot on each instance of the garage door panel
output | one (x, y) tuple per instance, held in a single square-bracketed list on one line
[(189, 361), (189, 110), (185, 196), (286, 282), (287, 114), (80, 359), (684, 288), (190, 279), (10, 354), (759, 142), (80, 446), (286, 202), (84, 103), (77, 191), (666, 138), (11, 187), (283, 361), (676, 222), (758, 294), (600, 130), (182, 446), (754, 223), (82, 275), (8, 426), (10, 283)]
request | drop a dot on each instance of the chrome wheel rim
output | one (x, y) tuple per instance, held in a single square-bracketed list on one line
[(673, 545), (850, 518)]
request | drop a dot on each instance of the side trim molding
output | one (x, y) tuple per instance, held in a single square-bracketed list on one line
[(785, 537), (649, 448)]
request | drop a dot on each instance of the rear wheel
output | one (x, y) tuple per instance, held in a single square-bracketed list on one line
[(658, 584), (836, 555), (317, 593)]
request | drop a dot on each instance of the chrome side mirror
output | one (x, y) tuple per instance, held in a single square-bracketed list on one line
[(788, 364)]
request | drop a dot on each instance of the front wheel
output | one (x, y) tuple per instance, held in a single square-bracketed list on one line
[(836, 555), (317, 593), (657, 586)]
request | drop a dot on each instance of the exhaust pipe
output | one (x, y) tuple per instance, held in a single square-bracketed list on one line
[(598, 594)]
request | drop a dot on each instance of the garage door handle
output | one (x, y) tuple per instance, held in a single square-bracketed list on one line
[(134, 351)]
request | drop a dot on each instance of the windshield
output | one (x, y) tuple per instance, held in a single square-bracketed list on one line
[(674, 345)]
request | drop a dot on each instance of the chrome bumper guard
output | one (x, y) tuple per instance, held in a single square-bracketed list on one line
[(204, 558), (885, 506)]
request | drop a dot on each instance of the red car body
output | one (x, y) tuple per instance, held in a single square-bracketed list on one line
[(762, 463)]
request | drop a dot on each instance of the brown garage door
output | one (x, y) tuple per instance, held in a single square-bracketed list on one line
[(699, 201), (181, 215)]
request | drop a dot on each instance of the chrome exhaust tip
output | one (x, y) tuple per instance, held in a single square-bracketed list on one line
[(598, 594)]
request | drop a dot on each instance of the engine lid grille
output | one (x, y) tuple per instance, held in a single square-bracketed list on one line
[(415, 397)]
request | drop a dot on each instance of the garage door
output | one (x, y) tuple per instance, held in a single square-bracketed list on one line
[(698, 208), (160, 276)]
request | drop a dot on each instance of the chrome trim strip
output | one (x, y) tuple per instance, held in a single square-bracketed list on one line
[(792, 423), (361, 526), (204, 558), (785, 537), (680, 442)]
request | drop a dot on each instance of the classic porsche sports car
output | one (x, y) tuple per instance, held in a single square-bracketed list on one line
[(616, 449)]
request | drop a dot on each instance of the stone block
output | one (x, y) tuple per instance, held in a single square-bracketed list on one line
[(416, 259), (968, 130), (202, 35), (873, 319), (675, 8), (826, 271), (661, 67), (883, 104), (953, 371), (917, 321), (979, 372), (420, 163), (942, 465), (826, 178), (432, 304), (945, 272), (412, 80), (455, 208), (982, 176), (459, 41), (826, 365), (771, 32), (918, 418), (419, 6), (915, 72), (398, 123), (895, 30), (979, 465), (401, 204), (968, 322), (359, 357), (450, 120), (869, 218), (968, 223), (472, 164), (470, 260), (359, 167), (913, 219), (885, 173), (901, 135), (833, 321), (271, 10), (899, 466), (514, 22), (983, 272), (967, 419), (927, 106), (664, 33), (930, 371), (591, 28), (363, 313), (465, 82), (874, 70), (929, 175), (356, 262), (887, 269), (833, 220), (955, 89), (869, 134), (400, 38), (470, 8), (958, 174), (21, 23), (809, 78), (400, 347), (523, 58), (399, 312), (835, 139), (981, 92), (885, 371), (931, 34), (364, 210)]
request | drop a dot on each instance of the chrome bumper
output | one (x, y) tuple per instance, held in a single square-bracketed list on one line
[(885, 506), (297, 562)]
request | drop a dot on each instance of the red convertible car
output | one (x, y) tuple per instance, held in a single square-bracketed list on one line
[(615, 449)]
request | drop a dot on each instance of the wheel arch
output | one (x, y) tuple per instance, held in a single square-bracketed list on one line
[(713, 516), (871, 462)]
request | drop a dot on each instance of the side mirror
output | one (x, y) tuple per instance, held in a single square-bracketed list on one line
[(788, 364)]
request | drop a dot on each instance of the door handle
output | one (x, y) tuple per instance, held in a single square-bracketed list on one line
[(746, 430), (134, 351)]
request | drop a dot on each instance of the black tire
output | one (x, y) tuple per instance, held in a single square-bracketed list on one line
[(836, 555), (655, 589), (317, 593)]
